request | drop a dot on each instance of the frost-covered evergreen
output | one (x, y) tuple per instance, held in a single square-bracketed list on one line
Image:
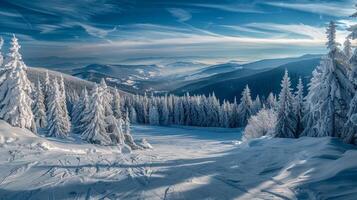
[(299, 107), (39, 109), (271, 102), (1, 56), (257, 105), (330, 93), (15, 95), (353, 58), (47, 88), (245, 107), (349, 134), (117, 104), (129, 140), (57, 126), (107, 98), (164, 111), (261, 124), (331, 43), (286, 122), (133, 115), (347, 48), (153, 115), (94, 125), (63, 102), (79, 110)]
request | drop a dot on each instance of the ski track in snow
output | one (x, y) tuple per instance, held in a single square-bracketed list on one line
[(186, 163)]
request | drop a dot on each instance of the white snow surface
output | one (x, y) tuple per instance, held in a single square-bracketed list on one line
[(184, 163)]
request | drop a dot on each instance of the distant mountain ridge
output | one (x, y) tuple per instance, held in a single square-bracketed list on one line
[(261, 83)]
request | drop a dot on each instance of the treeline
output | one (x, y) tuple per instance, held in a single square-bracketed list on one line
[(197, 110)]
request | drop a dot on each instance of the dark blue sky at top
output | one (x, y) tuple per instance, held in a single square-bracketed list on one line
[(208, 30)]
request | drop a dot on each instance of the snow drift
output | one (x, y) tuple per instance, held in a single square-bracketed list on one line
[(185, 163)]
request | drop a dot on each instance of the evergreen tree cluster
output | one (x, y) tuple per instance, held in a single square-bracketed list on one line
[(330, 107), (196, 110), (46, 107)]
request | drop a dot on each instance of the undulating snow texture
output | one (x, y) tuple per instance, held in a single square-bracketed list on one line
[(185, 163)]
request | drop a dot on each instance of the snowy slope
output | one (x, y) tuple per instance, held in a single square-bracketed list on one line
[(71, 82), (186, 163)]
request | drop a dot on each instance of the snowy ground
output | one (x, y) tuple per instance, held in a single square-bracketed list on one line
[(186, 163)]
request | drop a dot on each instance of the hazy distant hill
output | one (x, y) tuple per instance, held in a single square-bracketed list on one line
[(260, 83)]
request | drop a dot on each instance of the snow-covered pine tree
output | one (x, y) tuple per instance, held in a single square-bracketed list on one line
[(271, 102), (330, 92), (79, 110), (1, 56), (331, 43), (164, 116), (117, 104), (133, 117), (153, 115), (299, 107), (353, 58), (347, 48), (245, 107), (349, 134), (107, 98), (47, 88), (129, 140), (63, 102), (257, 105), (234, 120), (39, 109), (15, 100), (225, 113), (286, 122), (57, 126), (94, 125)]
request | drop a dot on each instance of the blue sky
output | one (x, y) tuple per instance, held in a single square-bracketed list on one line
[(208, 30)]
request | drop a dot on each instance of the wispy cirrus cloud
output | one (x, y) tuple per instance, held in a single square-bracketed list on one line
[(338, 9), (181, 14), (232, 7)]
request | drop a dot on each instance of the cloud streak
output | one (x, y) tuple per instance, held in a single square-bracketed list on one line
[(181, 14), (321, 8)]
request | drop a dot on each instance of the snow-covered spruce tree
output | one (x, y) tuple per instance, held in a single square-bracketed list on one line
[(133, 117), (129, 140), (39, 109), (225, 114), (57, 126), (330, 92), (234, 120), (347, 48), (153, 115), (63, 102), (117, 104), (271, 102), (245, 107), (47, 88), (286, 122), (353, 58), (15, 100), (261, 124), (164, 111), (257, 105), (94, 125), (349, 134), (78, 111), (299, 107), (1, 56), (107, 98)]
